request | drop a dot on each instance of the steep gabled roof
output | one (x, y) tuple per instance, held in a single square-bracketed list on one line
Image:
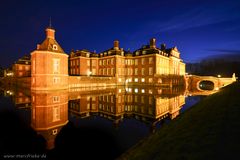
[(50, 44)]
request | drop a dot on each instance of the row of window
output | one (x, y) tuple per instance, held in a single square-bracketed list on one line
[(20, 67), (128, 98), (136, 71), (138, 61), (110, 61), (76, 62)]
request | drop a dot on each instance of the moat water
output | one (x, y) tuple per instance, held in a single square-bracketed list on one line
[(101, 123)]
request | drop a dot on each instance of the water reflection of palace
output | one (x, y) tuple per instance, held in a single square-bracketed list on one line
[(145, 104), (49, 114), (49, 109)]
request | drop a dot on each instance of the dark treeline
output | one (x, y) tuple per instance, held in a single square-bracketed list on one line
[(223, 65)]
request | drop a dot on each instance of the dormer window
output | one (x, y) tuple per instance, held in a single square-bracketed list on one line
[(87, 55), (54, 47), (137, 53)]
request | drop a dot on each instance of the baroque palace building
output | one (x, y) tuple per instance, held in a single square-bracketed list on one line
[(51, 68), (147, 65)]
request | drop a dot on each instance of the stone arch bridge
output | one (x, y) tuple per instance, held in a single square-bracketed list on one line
[(193, 82)]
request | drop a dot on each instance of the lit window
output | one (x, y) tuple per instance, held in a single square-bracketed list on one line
[(112, 99), (143, 90), (143, 79), (136, 90), (94, 63), (104, 71), (159, 80), (56, 113), (88, 63), (56, 66), (143, 61), (143, 70), (119, 90), (150, 71), (136, 71), (56, 80), (136, 98), (136, 80), (56, 99), (112, 71), (20, 67), (93, 71), (136, 61), (150, 91), (119, 99), (150, 60), (119, 80), (150, 80), (142, 99), (33, 66)]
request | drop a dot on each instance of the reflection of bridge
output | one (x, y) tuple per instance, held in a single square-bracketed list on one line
[(193, 81)]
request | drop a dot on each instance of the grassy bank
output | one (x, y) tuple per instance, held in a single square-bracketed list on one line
[(209, 130)]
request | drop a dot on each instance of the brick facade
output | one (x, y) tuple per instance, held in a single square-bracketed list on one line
[(49, 65), (148, 65)]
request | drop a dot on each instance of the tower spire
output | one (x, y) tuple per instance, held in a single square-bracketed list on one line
[(50, 22), (50, 31)]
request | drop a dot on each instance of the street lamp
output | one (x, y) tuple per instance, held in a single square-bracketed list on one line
[(219, 76), (89, 73)]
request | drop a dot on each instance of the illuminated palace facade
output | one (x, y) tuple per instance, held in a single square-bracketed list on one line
[(147, 65), (52, 68)]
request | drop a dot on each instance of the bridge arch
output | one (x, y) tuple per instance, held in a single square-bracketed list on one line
[(206, 85), (194, 81)]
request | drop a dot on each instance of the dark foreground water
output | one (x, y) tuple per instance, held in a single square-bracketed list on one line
[(82, 124)]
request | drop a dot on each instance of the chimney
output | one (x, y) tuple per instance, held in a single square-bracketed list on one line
[(153, 43), (50, 33), (116, 45), (163, 47), (38, 46)]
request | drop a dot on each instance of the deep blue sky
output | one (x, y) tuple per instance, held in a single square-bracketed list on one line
[(199, 28)]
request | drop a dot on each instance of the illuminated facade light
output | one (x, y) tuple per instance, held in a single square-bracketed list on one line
[(89, 73), (219, 76), (120, 80)]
